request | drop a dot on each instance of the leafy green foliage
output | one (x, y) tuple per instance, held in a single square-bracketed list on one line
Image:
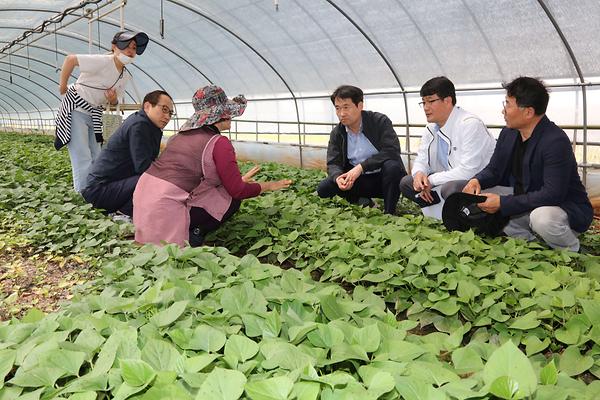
[(420, 313), (38, 205)]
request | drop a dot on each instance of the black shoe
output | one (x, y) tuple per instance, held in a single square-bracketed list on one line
[(365, 202), (196, 238)]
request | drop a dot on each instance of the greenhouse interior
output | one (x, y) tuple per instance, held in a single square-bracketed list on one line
[(299, 199)]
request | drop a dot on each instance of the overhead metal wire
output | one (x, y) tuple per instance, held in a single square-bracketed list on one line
[(42, 27)]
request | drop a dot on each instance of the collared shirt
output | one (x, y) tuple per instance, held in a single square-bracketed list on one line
[(442, 150), (359, 147)]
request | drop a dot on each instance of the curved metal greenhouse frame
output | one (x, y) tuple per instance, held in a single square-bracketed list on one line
[(301, 50)]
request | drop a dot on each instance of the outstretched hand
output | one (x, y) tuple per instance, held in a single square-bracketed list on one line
[(274, 185)]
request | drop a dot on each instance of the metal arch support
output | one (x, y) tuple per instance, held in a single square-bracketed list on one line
[(34, 95), (24, 98), (422, 34), (18, 103), (485, 39), (43, 87), (389, 65), (6, 117), (11, 106), (326, 34), (220, 25), (2, 115), (581, 79), (45, 63), (37, 60), (158, 42), (77, 37), (35, 72)]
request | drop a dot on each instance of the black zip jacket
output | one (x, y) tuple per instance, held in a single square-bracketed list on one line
[(378, 129)]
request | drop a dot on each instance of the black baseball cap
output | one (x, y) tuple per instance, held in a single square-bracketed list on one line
[(460, 213), (122, 39)]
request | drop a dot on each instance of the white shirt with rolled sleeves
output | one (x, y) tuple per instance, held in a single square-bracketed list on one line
[(470, 148)]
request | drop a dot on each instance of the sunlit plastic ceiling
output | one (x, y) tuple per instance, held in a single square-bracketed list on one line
[(303, 46)]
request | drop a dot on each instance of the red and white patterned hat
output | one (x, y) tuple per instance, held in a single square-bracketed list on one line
[(212, 105)]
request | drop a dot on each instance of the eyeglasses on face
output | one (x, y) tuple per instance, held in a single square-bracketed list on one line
[(166, 110), (506, 103), (428, 102)]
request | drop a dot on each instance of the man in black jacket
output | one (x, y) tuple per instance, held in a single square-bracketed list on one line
[(363, 155), (129, 152)]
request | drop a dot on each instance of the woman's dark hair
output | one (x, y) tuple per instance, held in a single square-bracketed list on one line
[(154, 96), (347, 92), (441, 86), (528, 92)]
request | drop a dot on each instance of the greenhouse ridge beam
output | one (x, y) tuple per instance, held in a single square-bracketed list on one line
[(580, 75), (203, 15)]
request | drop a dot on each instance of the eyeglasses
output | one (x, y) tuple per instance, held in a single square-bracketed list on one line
[(505, 103), (166, 110), (428, 102)]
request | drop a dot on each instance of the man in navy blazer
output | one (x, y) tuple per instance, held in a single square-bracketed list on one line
[(532, 175)]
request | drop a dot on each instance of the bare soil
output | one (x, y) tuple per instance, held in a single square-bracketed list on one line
[(40, 281)]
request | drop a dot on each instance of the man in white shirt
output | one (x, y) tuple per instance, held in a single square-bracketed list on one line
[(455, 145)]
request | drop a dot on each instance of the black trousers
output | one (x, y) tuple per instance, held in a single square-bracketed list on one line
[(383, 185), (112, 196), (446, 189), (205, 223)]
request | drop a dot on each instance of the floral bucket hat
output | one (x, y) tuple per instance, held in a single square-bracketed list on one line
[(212, 105)]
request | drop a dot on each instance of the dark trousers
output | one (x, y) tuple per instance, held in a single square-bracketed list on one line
[(205, 223), (112, 196), (383, 185), (446, 189)]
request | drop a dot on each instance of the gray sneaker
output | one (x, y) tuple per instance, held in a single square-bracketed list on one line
[(121, 217)]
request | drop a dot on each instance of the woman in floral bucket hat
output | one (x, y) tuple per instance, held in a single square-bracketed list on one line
[(195, 185)]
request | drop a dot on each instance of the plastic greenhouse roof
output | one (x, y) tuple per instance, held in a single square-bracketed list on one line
[(306, 46)]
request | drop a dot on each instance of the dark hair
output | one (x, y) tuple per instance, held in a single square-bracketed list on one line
[(441, 86), (528, 92), (347, 92), (154, 96)]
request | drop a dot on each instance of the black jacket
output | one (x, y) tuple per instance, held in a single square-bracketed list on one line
[(129, 151), (550, 175), (378, 129)]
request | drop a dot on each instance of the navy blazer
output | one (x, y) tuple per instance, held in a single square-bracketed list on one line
[(550, 176)]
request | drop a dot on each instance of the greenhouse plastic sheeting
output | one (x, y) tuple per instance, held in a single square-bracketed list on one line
[(306, 46)]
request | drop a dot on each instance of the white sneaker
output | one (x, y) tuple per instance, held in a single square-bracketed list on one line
[(122, 217)]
